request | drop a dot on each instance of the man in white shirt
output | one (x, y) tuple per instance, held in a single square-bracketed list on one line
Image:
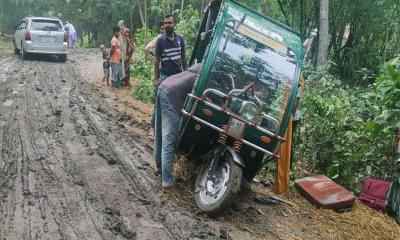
[(151, 46)]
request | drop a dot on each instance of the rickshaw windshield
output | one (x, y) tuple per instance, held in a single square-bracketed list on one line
[(247, 56)]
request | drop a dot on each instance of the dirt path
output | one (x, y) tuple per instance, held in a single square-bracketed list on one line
[(68, 171), (75, 163)]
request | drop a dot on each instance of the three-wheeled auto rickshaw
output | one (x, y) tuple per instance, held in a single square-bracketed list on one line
[(242, 100)]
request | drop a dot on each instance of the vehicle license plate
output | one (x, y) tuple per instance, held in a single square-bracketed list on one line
[(236, 128), (47, 39)]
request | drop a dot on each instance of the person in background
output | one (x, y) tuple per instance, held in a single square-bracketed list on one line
[(151, 46), (170, 52), (71, 35), (122, 42), (115, 57), (106, 64), (151, 49), (130, 49)]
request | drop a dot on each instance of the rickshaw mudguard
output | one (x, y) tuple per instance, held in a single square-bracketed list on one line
[(236, 157)]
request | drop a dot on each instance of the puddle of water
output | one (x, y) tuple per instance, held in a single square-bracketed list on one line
[(8, 103)]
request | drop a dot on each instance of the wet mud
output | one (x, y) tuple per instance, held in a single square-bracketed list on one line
[(68, 167), (76, 163)]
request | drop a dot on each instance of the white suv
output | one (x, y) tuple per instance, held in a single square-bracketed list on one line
[(38, 35)]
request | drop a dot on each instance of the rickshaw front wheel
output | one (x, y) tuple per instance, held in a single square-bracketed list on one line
[(214, 196)]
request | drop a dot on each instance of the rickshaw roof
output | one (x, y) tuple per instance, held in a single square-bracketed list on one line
[(268, 26)]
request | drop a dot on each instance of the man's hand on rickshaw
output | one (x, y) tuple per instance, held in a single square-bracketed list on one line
[(156, 82)]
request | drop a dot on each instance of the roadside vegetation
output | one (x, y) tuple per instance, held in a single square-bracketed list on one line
[(351, 103), (349, 132)]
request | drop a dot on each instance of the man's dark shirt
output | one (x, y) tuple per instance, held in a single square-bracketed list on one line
[(177, 87), (170, 54)]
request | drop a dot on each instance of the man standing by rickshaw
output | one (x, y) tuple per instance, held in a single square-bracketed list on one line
[(170, 60)]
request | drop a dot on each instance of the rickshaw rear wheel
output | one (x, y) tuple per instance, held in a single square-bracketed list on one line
[(215, 197)]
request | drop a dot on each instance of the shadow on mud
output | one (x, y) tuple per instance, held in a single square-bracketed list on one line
[(42, 58)]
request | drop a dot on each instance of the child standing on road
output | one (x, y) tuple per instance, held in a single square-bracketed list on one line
[(106, 64)]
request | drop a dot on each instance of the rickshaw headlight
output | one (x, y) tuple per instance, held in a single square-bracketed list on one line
[(248, 111)]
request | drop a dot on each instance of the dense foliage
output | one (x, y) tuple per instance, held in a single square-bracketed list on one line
[(364, 33), (349, 132)]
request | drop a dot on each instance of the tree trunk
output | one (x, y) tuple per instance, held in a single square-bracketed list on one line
[(131, 16), (385, 42), (202, 9), (323, 33), (301, 18), (266, 8), (81, 41), (282, 8), (89, 39), (145, 13), (182, 6), (142, 19)]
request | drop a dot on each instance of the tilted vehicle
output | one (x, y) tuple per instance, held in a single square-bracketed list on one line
[(38, 35), (242, 100)]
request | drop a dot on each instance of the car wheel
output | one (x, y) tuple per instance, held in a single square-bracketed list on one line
[(16, 50), (24, 55), (62, 57)]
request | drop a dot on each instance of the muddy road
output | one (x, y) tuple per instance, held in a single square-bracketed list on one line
[(68, 167), (76, 163)]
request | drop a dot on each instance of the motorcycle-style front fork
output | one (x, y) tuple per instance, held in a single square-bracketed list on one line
[(217, 156), (215, 162)]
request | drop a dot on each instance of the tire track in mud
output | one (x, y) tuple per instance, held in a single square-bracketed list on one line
[(79, 128), (45, 176), (67, 164), (108, 152), (42, 176), (10, 149), (37, 175), (62, 173), (177, 221)]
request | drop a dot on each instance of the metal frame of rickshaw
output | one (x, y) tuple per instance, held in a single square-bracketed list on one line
[(192, 96)]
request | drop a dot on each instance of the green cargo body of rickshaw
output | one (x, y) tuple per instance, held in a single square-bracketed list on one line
[(249, 62)]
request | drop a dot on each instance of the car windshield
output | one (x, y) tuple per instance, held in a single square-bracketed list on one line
[(46, 25), (249, 56)]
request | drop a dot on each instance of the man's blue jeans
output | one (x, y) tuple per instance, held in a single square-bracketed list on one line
[(167, 128)]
